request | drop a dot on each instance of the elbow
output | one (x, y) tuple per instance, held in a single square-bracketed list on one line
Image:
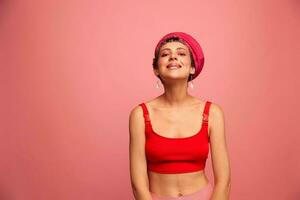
[(226, 183), (141, 193), (222, 189), (139, 189)]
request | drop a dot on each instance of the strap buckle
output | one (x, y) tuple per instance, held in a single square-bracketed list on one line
[(205, 118), (147, 118)]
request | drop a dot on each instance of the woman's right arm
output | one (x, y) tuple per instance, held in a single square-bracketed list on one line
[(137, 158)]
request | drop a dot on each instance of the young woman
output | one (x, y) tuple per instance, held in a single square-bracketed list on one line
[(170, 135)]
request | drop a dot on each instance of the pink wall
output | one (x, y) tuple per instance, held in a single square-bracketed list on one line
[(71, 71)]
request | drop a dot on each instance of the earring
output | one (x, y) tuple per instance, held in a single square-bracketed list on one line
[(192, 86), (157, 84), (191, 82)]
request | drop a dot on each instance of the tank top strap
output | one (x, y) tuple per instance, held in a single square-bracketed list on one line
[(206, 113), (145, 113)]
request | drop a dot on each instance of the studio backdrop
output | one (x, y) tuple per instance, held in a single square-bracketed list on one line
[(71, 72)]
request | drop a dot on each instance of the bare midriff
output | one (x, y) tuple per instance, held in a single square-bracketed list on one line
[(175, 185)]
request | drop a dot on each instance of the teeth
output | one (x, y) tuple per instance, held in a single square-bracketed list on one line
[(173, 66)]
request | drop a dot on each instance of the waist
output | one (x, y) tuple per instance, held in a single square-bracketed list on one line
[(172, 184)]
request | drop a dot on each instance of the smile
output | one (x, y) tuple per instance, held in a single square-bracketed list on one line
[(173, 66)]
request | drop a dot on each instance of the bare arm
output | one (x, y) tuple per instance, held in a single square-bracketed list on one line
[(137, 158), (219, 154)]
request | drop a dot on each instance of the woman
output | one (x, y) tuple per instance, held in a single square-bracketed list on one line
[(170, 135)]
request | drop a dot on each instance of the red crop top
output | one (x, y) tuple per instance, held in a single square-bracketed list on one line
[(176, 155)]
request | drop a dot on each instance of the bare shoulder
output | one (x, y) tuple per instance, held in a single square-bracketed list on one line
[(136, 117), (216, 111), (153, 103), (216, 118), (196, 100), (135, 112)]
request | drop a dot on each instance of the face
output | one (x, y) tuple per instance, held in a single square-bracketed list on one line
[(174, 61)]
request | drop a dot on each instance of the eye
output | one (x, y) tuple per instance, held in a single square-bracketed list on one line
[(164, 54), (182, 54)]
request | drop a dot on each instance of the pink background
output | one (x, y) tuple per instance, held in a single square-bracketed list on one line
[(71, 71)]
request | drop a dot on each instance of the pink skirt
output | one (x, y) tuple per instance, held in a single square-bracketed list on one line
[(202, 194)]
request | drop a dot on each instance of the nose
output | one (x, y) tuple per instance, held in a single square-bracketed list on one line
[(173, 56)]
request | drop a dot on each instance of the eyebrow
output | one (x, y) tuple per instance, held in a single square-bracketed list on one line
[(176, 49)]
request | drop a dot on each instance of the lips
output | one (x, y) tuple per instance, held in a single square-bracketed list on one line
[(173, 66)]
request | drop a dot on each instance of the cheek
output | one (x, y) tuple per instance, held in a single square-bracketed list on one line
[(186, 60), (162, 60)]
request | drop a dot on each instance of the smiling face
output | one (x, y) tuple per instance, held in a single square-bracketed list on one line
[(174, 60)]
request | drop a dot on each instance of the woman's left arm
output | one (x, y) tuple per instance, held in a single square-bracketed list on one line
[(219, 154)]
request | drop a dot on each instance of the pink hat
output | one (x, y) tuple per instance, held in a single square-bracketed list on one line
[(193, 45)]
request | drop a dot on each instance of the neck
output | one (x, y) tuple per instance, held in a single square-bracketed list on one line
[(176, 94)]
